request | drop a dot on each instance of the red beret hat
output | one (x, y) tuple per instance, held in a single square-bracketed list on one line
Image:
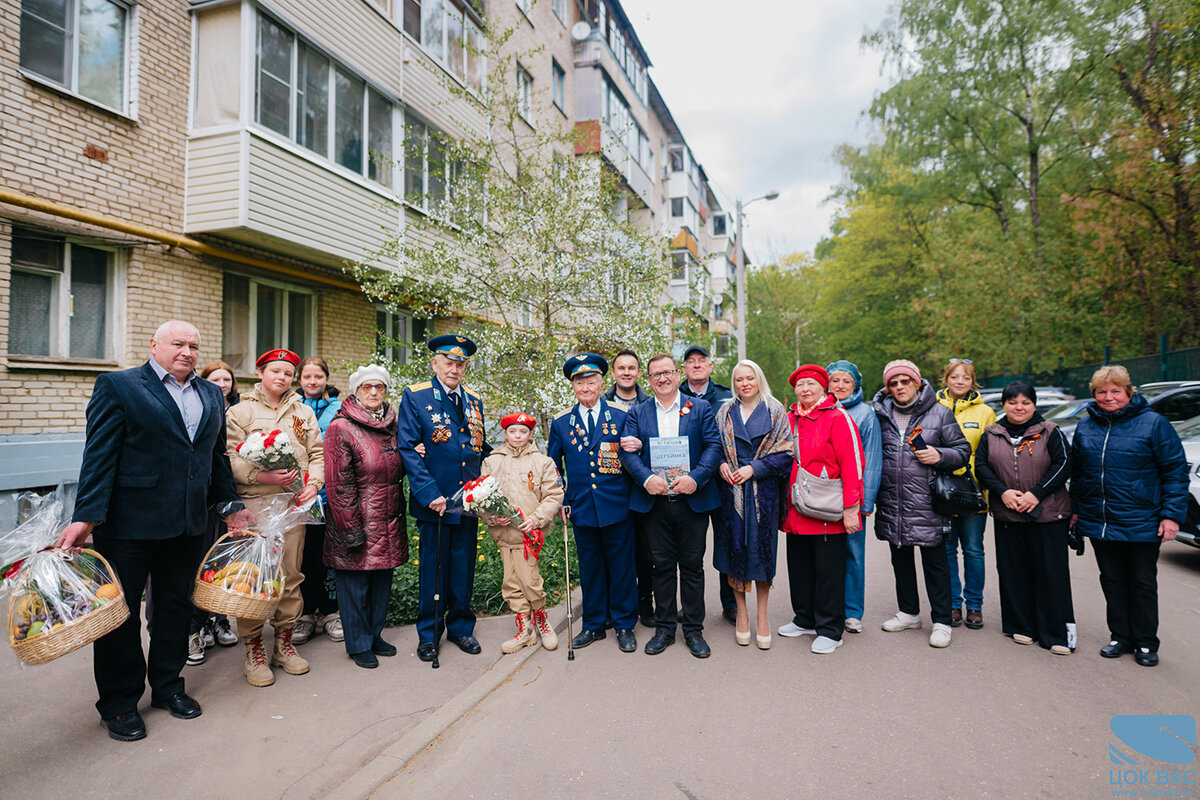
[(277, 355), (814, 371), (518, 419)]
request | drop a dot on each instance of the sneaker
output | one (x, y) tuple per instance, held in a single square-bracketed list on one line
[(206, 636), (853, 625), (792, 630), (940, 637), (902, 622), (224, 633), (823, 644), (305, 629), (333, 628), (195, 649)]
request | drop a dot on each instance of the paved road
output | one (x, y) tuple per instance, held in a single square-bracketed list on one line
[(885, 716)]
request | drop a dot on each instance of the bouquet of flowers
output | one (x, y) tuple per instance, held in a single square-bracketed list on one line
[(273, 450), (482, 498)]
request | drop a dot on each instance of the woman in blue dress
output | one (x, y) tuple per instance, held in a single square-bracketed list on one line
[(756, 445)]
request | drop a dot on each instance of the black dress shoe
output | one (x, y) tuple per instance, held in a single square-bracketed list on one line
[(658, 643), (366, 660), (468, 644), (1115, 649), (730, 615), (426, 651), (1146, 657), (698, 646), (179, 705), (586, 637), (126, 727), (647, 620), (381, 648), (626, 640)]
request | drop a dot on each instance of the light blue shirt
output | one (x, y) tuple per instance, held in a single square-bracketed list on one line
[(186, 397)]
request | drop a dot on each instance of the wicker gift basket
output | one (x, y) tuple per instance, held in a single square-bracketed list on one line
[(244, 577)]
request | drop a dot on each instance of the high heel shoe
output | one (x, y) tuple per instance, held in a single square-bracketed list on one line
[(743, 638), (764, 642)]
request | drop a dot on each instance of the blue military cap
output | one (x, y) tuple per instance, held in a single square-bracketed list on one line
[(585, 364), (452, 346)]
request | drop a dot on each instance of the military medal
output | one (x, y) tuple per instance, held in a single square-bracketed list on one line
[(298, 428), (440, 435)]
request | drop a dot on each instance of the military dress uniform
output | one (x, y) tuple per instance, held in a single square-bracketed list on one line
[(597, 490), (454, 452)]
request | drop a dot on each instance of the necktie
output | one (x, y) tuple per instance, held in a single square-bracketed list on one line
[(591, 415), (457, 398)]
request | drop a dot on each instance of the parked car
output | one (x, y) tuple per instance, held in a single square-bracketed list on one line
[(1151, 390), (1067, 415), (1177, 404), (1189, 432), (1048, 397)]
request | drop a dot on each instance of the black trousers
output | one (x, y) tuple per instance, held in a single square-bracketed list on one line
[(120, 667), (1129, 578), (937, 580), (677, 537), (319, 589), (1035, 580), (644, 567), (817, 581)]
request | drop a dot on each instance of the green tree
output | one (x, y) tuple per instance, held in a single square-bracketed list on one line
[(781, 334)]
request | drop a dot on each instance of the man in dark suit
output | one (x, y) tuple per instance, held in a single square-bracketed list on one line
[(448, 420), (585, 443), (153, 463), (676, 511)]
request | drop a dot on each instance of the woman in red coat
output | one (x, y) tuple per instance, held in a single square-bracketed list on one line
[(368, 538), (829, 446)]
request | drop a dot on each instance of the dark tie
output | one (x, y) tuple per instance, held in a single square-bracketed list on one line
[(591, 422), (457, 398)]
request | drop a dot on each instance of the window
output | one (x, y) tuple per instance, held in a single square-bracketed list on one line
[(394, 330), (722, 345), (258, 315), (675, 155), (80, 45), (677, 207), (679, 267), (275, 45), (425, 167), (450, 34), (1178, 407), (560, 10), (524, 6), (720, 225), (62, 297), (348, 119), (312, 101), (559, 78), (524, 93)]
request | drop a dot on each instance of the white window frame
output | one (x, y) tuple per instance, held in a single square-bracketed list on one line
[(525, 94), (397, 325), (558, 82), (422, 202), (281, 324), (688, 268), (470, 28), (560, 10)]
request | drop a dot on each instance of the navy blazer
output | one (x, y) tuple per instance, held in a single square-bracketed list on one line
[(597, 495), (141, 475), (454, 445), (704, 446)]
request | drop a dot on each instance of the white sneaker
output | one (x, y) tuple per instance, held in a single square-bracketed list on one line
[(853, 625), (940, 636), (823, 644), (195, 649), (333, 627), (206, 636), (901, 622), (792, 630)]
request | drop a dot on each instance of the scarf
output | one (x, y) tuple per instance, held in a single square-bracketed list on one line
[(778, 440)]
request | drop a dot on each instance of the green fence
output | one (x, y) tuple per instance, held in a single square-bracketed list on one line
[(1165, 365)]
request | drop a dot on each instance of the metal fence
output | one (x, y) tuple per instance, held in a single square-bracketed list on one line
[(1165, 365)]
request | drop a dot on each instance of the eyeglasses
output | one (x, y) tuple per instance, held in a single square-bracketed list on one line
[(373, 388), (892, 384), (666, 373), (961, 361)]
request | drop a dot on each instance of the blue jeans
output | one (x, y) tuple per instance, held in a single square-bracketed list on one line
[(969, 531), (856, 547)]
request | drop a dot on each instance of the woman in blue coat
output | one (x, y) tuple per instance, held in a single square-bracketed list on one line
[(1129, 488)]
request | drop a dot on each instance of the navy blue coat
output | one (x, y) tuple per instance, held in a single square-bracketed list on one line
[(1128, 473), (704, 446), (141, 475), (454, 446), (597, 495)]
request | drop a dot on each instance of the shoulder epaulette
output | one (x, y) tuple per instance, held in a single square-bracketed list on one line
[(416, 387), (566, 410)]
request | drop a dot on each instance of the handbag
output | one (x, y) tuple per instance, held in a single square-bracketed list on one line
[(954, 494), (815, 496)]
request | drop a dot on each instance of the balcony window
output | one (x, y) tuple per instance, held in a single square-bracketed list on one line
[(680, 266), (720, 225), (80, 45), (275, 45), (677, 207), (348, 121), (394, 330), (259, 315), (312, 101), (449, 34), (675, 156), (425, 165), (559, 78)]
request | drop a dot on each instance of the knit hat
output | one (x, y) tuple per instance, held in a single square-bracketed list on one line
[(901, 366), (813, 371), (371, 372), (848, 368)]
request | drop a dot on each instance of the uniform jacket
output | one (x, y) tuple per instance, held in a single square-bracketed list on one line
[(1128, 473), (454, 445), (142, 478), (530, 482), (363, 472), (904, 512), (1028, 466), (253, 414), (829, 445), (973, 416), (616, 402), (698, 423), (868, 430), (597, 485)]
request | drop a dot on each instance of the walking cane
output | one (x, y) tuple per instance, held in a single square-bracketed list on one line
[(566, 512), (437, 594)]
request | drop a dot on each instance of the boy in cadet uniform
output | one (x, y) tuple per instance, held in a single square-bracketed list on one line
[(584, 443), (530, 482)]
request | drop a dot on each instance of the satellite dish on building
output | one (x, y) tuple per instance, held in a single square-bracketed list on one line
[(580, 31)]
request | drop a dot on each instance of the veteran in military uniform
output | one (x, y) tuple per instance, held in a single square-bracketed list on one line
[(584, 443), (448, 420)]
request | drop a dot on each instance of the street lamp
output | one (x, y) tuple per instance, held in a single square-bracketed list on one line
[(741, 272)]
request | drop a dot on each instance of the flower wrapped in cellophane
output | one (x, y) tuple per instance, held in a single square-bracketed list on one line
[(272, 450)]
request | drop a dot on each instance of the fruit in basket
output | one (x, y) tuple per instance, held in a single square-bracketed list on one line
[(243, 587), (237, 570), (108, 591), (271, 587), (35, 628), (208, 575)]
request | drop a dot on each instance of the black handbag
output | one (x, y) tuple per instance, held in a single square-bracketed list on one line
[(954, 494)]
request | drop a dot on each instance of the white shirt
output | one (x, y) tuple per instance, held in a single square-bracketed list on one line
[(590, 415), (451, 392), (668, 416)]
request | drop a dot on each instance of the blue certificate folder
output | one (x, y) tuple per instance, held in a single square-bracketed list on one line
[(670, 457)]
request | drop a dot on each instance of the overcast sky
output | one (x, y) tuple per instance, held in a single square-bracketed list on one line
[(764, 90)]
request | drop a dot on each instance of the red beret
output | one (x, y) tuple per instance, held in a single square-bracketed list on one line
[(814, 371), (518, 419), (277, 355)]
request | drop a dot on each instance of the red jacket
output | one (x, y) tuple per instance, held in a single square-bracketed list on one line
[(830, 445)]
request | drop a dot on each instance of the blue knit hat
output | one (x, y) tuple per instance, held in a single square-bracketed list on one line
[(847, 367)]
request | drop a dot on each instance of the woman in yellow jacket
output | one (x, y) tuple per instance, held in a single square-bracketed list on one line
[(959, 394)]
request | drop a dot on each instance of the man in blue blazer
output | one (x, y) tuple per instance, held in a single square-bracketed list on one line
[(153, 463), (675, 512), (585, 444), (448, 420)]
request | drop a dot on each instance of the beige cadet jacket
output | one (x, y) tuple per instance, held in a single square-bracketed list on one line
[(254, 414), (530, 482)]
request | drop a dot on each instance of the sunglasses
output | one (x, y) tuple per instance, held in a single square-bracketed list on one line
[(961, 361), (892, 384)]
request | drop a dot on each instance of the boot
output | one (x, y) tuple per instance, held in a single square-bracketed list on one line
[(285, 654), (257, 672), (525, 635), (549, 637)]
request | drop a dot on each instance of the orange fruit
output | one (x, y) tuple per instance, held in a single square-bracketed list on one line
[(243, 587), (108, 591)]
